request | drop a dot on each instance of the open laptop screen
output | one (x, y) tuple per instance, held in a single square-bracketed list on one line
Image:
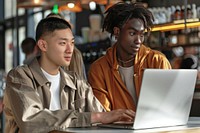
[(165, 97)]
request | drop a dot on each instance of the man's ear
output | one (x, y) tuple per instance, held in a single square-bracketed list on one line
[(116, 31), (42, 44)]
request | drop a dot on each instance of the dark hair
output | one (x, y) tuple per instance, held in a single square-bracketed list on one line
[(49, 25), (118, 14), (52, 14), (28, 45)]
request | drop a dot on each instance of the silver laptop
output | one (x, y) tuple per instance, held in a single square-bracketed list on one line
[(165, 99)]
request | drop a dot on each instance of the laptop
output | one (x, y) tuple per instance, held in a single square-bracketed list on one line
[(165, 99)]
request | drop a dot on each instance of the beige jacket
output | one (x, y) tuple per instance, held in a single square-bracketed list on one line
[(27, 99)]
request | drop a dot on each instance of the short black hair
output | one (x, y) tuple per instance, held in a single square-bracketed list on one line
[(118, 14), (49, 25), (28, 45), (55, 15)]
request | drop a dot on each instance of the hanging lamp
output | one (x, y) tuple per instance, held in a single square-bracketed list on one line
[(34, 3), (72, 6)]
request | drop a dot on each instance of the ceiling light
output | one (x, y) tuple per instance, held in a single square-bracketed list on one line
[(73, 7), (70, 5), (92, 5), (36, 1)]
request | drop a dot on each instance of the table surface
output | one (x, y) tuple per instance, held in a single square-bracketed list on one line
[(193, 126), (80, 130)]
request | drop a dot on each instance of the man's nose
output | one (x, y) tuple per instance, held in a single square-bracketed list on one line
[(69, 48), (139, 39)]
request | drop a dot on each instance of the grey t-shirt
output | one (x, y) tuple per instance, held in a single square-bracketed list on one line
[(127, 75)]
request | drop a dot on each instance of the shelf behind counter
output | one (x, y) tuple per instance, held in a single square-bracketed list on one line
[(93, 50)]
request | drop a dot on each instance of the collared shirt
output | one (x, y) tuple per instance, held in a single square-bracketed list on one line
[(27, 100)]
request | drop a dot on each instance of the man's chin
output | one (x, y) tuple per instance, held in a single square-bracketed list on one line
[(66, 64)]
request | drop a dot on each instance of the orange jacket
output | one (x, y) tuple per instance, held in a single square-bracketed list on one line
[(106, 81)]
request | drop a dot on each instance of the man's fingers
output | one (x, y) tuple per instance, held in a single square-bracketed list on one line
[(127, 115)]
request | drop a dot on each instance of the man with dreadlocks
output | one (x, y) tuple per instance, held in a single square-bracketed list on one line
[(116, 77)]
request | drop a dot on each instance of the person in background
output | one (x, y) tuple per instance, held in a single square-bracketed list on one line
[(29, 48), (116, 77), (190, 59), (76, 64), (41, 97)]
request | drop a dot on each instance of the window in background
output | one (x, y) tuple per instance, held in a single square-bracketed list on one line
[(21, 11), (37, 16), (21, 38), (10, 8), (9, 48)]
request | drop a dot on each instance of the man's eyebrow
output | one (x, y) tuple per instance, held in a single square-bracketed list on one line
[(66, 39), (132, 28)]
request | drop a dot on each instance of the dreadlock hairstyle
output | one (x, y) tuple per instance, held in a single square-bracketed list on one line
[(118, 14)]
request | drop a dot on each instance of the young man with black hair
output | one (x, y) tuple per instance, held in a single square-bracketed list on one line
[(41, 97)]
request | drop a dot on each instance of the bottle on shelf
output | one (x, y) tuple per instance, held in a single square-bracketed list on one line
[(173, 38), (169, 14), (194, 11), (189, 12), (182, 37), (182, 12), (177, 13)]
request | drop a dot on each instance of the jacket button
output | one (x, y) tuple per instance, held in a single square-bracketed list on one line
[(48, 84)]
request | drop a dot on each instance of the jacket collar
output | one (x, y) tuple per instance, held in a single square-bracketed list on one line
[(66, 79), (112, 58), (37, 72)]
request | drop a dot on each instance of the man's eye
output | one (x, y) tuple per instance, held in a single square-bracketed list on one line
[(142, 34), (62, 43), (73, 43), (132, 33)]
